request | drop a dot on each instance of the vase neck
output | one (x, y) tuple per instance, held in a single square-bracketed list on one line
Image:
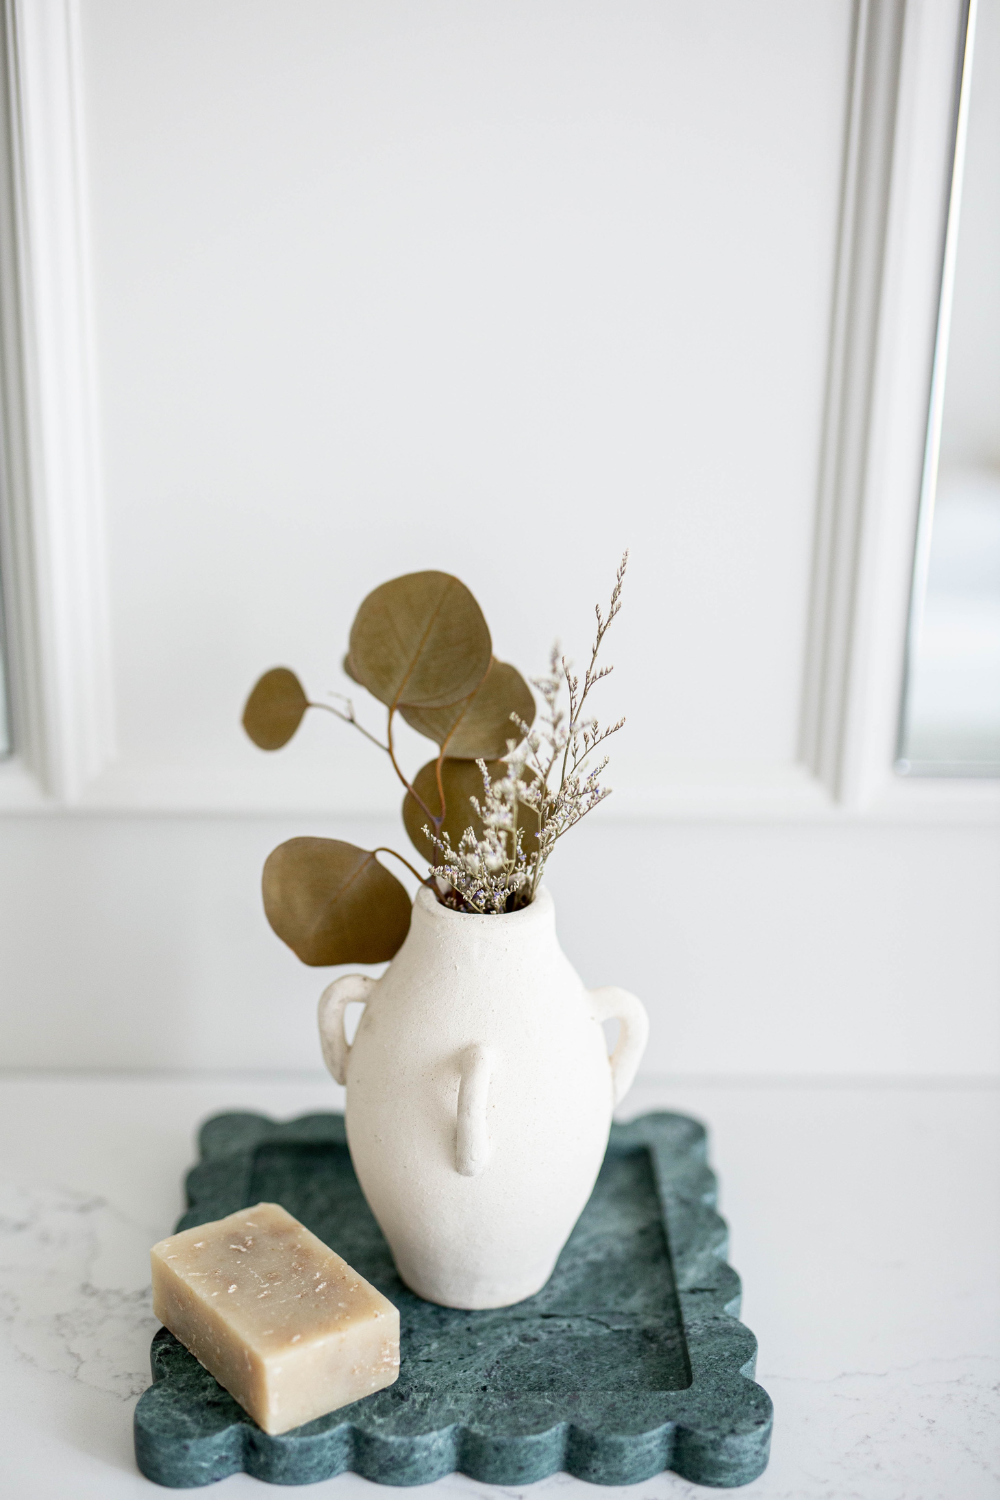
[(532, 925)]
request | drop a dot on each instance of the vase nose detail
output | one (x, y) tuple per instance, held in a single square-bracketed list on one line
[(472, 1146)]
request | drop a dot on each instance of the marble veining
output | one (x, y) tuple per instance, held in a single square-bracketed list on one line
[(866, 1220), (62, 1299), (66, 1305)]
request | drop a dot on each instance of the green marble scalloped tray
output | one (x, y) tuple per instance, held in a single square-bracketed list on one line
[(629, 1361)]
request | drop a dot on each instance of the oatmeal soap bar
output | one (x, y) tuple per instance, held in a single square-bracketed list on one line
[(282, 1322)]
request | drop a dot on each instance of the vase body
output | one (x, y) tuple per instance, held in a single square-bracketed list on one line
[(479, 1100)]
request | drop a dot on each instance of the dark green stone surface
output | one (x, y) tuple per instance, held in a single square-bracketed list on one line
[(628, 1362)]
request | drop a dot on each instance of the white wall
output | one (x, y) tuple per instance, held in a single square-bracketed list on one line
[(377, 286), (140, 942)]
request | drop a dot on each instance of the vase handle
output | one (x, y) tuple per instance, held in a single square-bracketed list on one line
[(472, 1146), (332, 1004), (614, 1004)]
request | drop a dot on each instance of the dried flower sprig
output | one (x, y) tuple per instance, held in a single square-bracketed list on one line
[(546, 790), (489, 873)]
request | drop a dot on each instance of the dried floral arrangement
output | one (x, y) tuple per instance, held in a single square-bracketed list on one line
[(485, 813)]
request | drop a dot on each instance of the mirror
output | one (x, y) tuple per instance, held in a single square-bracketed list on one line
[(5, 739), (950, 722)]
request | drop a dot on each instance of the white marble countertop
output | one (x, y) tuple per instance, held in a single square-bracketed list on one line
[(865, 1222)]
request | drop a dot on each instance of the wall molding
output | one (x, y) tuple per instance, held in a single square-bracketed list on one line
[(56, 574), (682, 793), (873, 89)]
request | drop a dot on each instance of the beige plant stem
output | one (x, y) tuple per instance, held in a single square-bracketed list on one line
[(396, 767), (440, 785), (349, 718), (384, 849)]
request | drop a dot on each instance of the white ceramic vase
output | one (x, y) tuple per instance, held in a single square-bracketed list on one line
[(479, 1097)]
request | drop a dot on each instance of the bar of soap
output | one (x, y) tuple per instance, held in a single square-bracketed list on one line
[(282, 1322)]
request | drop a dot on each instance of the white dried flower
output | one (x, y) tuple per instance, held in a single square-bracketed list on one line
[(546, 789)]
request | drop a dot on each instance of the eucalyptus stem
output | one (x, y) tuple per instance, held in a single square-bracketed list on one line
[(438, 772), (349, 718), (424, 879), (395, 766)]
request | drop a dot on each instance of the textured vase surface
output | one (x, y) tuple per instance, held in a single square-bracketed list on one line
[(479, 1097)]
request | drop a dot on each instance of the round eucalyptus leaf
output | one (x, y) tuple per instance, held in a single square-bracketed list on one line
[(419, 641), (333, 903), (479, 727), (274, 709), (461, 780)]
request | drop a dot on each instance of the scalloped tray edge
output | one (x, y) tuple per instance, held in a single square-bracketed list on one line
[(716, 1431)]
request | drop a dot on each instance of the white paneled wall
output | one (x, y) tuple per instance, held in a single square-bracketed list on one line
[(376, 285), (499, 289)]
